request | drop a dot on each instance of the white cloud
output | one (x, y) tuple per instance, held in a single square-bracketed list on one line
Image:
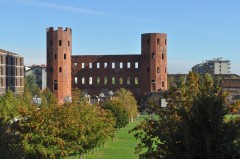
[(62, 7)]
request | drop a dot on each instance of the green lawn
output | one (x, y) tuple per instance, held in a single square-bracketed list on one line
[(121, 148)]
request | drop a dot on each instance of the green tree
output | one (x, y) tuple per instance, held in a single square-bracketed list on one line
[(128, 102), (193, 126), (31, 85)]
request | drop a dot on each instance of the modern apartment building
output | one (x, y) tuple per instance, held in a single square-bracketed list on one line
[(214, 66), (11, 72)]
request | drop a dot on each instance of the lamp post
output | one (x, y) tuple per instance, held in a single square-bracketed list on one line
[(110, 94), (101, 95)]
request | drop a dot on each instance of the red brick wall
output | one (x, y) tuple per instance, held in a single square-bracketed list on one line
[(108, 72), (59, 61), (154, 62)]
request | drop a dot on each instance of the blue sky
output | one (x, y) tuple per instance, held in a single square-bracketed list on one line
[(197, 30)]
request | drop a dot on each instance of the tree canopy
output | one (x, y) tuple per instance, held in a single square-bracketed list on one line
[(193, 126)]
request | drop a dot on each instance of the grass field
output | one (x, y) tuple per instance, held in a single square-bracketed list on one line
[(121, 148)]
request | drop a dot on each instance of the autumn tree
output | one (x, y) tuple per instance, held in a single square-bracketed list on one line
[(193, 126), (128, 102)]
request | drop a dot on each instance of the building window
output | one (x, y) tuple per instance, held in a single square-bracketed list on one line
[(55, 56), (21, 82), (1, 83), (165, 69), (113, 64), (120, 80), (1, 59), (136, 80), (55, 85), (98, 65), (105, 81), (16, 61), (128, 81), (16, 72), (148, 41), (136, 64), (158, 41), (121, 65), (1, 70), (68, 43), (21, 72), (60, 42), (105, 65), (75, 64), (147, 69), (60, 69), (83, 65), (16, 83), (128, 65), (113, 80), (83, 80), (90, 65), (90, 80), (162, 55), (158, 70), (153, 56), (162, 83), (165, 41), (75, 80), (98, 80), (65, 57)]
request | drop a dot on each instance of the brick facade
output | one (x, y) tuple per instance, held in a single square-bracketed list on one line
[(93, 74)]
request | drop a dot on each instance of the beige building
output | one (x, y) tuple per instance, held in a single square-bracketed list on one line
[(11, 72)]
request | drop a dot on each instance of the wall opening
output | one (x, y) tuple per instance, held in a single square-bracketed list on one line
[(153, 56), (121, 65), (162, 83), (55, 85), (55, 56), (60, 69), (136, 64), (83, 80), (90, 65), (98, 80), (98, 65), (136, 81), (113, 65), (158, 69), (120, 80), (105, 80), (83, 65), (68, 43), (60, 43), (158, 41), (65, 57), (162, 55), (128, 65), (75, 80), (113, 80), (105, 65), (128, 80), (90, 80)]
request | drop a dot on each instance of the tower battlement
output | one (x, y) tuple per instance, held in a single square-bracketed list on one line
[(51, 29)]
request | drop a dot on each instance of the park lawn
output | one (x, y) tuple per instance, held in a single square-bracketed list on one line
[(121, 148)]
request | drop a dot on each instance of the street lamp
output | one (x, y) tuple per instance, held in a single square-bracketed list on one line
[(110, 94), (101, 95)]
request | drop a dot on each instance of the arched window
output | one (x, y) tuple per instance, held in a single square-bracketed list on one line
[(98, 80), (55, 85), (136, 80), (113, 80), (120, 80), (158, 70), (83, 80), (75, 80), (153, 56), (105, 81), (128, 80), (90, 80)]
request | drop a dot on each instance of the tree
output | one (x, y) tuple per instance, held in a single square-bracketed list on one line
[(128, 101), (30, 84), (193, 126), (119, 113)]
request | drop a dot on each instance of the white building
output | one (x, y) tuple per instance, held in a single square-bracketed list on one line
[(215, 66)]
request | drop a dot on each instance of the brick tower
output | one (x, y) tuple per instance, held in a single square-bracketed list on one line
[(59, 52), (153, 70)]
